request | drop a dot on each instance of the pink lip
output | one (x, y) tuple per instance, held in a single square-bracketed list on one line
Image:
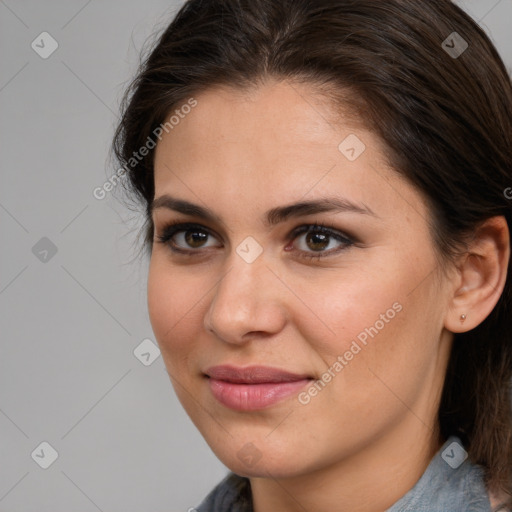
[(254, 387)]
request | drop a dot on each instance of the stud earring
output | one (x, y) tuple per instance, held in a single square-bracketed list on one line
[(462, 318)]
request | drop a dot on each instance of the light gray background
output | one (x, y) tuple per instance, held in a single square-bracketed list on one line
[(68, 374)]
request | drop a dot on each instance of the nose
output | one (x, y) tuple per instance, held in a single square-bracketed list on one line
[(248, 302)]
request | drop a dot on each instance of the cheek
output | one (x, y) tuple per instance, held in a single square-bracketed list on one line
[(399, 363), (174, 303), (350, 307), (370, 322)]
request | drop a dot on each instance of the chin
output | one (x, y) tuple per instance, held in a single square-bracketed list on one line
[(256, 457), (263, 468)]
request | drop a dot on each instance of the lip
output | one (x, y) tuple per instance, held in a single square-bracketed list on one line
[(254, 387)]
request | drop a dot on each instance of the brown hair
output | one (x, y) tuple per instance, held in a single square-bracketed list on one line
[(445, 118)]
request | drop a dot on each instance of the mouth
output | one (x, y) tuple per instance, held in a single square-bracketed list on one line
[(253, 388)]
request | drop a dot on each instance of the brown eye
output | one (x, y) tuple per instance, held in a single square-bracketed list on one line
[(319, 241), (195, 238), (183, 237)]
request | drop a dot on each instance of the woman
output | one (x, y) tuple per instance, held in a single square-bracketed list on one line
[(326, 187)]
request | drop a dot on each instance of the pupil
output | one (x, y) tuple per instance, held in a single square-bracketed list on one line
[(195, 238), (317, 239)]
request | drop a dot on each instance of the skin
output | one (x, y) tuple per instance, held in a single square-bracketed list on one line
[(367, 437)]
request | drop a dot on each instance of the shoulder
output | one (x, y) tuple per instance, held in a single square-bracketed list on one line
[(232, 494), (450, 482)]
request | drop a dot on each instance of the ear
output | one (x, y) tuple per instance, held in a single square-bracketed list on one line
[(481, 276)]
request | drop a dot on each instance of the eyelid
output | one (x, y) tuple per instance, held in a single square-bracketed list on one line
[(170, 229), (323, 228), (341, 237)]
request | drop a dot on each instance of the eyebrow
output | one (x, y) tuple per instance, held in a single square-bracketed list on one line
[(273, 216)]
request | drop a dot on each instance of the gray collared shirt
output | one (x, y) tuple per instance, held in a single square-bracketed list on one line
[(451, 483)]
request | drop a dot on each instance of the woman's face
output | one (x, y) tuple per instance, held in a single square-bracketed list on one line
[(330, 343)]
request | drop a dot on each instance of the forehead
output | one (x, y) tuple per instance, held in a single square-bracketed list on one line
[(271, 145), (283, 112)]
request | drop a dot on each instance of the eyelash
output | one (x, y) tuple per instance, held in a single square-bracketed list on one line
[(172, 228)]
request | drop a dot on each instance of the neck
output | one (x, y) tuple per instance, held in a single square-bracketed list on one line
[(372, 480)]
